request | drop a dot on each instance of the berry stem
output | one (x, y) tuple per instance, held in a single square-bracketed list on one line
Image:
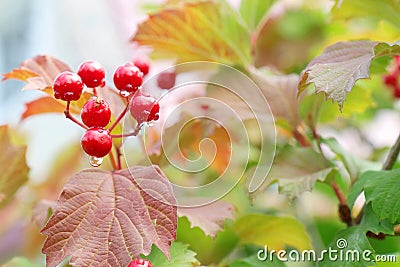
[(119, 118), (119, 155), (134, 133), (72, 118), (113, 162)]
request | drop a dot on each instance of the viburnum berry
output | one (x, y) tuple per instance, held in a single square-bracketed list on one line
[(143, 64), (140, 263), (92, 73), (68, 86), (144, 108), (128, 78), (166, 80), (96, 142), (390, 79), (96, 113)]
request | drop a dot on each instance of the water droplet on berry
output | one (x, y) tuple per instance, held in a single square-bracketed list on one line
[(124, 93), (95, 161)]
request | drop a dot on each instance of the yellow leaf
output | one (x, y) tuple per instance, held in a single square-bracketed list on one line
[(272, 231), (205, 30)]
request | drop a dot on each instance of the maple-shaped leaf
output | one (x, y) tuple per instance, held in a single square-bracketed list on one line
[(205, 30), (13, 165), (337, 69), (210, 218), (107, 218), (39, 72), (46, 104)]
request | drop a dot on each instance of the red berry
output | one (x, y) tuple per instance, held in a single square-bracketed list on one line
[(143, 64), (68, 86), (166, 80), (144, 108), (96, 142), (390, 79), (96, 113), (140, 263), (128, 78), (92, 74)]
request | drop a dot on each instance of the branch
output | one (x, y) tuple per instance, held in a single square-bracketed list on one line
[(72, 118), (392, 156)]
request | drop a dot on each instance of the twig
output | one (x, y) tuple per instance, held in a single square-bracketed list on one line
[(392, 156), (72, 118), (113, 162), (134, 133), (119, 154), (119, 118), (344, 209)]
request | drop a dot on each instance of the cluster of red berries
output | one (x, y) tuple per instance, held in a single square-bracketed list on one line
[(140, 263), (96, 113), (392, 79)]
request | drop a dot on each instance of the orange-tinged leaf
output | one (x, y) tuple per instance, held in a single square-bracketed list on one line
[(21, 74), (209, 218), (39, 72), (41, 105), (14, 170), (107, 218), (205, 30)]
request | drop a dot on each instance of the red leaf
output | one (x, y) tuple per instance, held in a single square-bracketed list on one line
[(41, 105), (39, 72), (209, 218), (108, 218)]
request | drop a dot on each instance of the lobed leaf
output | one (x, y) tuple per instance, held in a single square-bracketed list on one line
[(209, 218), (107, 218), (294, 172), (39, 72), (13, 165), (337, 69), (381, 190), (205, 30), (181, 256)]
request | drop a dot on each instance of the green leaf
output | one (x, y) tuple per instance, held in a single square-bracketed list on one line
[(337, 69), (382, 190), (175, 33), (351, 242), (294, 173), (272, 231), (181, 256), (20, 262), (209, 250), (13, 165), (253, 261), (253, 11), (388, 10), (371, 222)]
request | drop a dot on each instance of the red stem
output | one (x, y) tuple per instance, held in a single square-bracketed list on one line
[(301, 138), (134, 133), (72, 118), (119, 118)]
